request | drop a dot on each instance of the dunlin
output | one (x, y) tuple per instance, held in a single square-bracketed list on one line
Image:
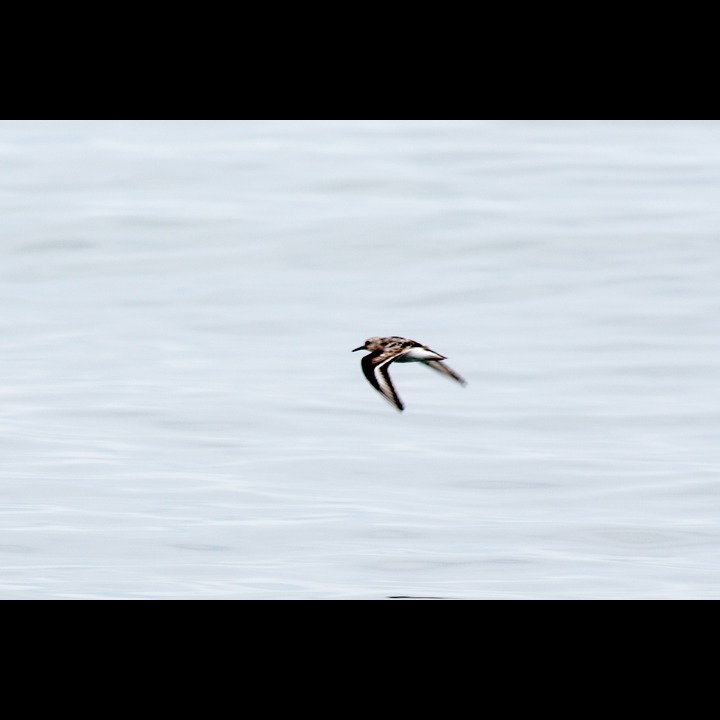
[(386, 350)]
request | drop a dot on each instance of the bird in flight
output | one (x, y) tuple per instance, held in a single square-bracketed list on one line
[(385, 350)]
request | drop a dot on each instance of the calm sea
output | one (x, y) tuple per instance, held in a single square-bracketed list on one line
[(181, 415)]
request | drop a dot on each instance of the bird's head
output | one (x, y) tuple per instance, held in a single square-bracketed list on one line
[(373, 343)]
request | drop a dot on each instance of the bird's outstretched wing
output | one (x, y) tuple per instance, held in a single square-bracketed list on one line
[(441, 367), (375, 366)]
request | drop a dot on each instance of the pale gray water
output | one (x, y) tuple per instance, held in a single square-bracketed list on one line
[(181, 415)]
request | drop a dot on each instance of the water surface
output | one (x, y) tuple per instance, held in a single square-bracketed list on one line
[(181, 415)]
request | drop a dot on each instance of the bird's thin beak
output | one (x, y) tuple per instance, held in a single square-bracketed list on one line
[(362, 347)]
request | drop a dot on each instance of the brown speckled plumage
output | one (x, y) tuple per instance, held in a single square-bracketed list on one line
[(386, 350)]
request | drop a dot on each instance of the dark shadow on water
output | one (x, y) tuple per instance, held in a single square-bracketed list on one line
[(415, 597)]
